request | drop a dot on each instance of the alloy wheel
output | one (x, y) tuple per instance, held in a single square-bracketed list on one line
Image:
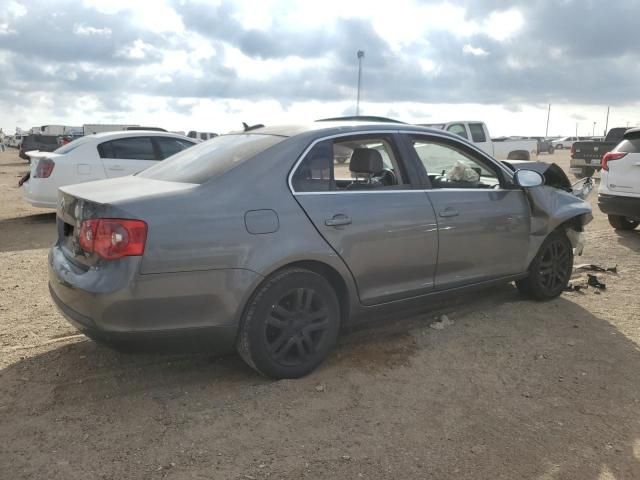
[(555, 266), (295, 326)]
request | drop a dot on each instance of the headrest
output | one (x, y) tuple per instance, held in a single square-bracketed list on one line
[(366, 161)]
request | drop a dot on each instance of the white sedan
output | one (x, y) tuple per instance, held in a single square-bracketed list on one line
[(96, 157)]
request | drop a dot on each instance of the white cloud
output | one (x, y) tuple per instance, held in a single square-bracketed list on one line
[(475, 51), (89, 31)]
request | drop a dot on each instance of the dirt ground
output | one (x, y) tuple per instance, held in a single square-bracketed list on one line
[(512, 390)]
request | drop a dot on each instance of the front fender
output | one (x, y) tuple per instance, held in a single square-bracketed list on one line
[(551, 208)]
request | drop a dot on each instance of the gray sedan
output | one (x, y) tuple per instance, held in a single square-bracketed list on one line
[(271, 240)]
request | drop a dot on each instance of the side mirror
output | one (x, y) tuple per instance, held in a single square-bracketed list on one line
[(528, 179)]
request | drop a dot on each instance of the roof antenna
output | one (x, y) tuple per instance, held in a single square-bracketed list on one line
[(251, 127)]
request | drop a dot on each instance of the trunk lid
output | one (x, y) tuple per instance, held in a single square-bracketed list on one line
[(102, 199)]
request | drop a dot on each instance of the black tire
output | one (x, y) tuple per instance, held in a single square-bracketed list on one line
[(586, 172), (622, 223), (518, 155), (550, 150), (290, 324), (559, 146), (550, 271)]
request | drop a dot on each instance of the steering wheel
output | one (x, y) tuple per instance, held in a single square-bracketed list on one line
[(386, 177)]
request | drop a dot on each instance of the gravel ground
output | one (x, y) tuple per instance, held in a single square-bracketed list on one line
[(512, 389)]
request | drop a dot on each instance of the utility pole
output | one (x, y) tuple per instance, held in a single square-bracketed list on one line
[(576, 130), (593, 133), (606, 125), (546, 132), (360, 57)]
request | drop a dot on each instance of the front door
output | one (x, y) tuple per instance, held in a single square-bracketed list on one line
[(483, 227), (356, 192)]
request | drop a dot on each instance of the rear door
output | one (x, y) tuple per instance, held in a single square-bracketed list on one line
[(384, 230), (624, 173), (126, 156), (483, 227)]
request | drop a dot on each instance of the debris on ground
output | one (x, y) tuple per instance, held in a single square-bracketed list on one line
[(596, 268), (443, 323), (320, 388), (595, 282)]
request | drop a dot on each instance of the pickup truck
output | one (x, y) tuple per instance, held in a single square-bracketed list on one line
[(587, 155), (43, 143), (501, 149)]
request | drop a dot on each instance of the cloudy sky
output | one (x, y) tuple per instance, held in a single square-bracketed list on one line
[(210, 65)]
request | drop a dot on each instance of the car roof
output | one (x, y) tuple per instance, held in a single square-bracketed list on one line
[(326, 128)]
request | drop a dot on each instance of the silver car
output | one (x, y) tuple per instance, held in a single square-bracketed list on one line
[(272, 239)]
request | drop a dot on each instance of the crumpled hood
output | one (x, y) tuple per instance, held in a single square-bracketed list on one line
[(550, 208)]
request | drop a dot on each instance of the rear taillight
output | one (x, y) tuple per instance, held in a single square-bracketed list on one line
[(610, 156), (113, 238), (44, 168), (573, 149)]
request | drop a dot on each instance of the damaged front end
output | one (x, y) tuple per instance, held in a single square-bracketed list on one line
[(556, 204)]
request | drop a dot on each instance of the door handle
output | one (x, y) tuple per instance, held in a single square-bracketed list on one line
[(448, 212), (337, 221)]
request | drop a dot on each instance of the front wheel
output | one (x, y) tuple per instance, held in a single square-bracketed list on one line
[(622, 223), (290, 325), (559, 146), (550, 270)]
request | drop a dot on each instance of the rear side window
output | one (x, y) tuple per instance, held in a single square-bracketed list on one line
[(210, 159), (477, 133), (136, 148), (170, 146)]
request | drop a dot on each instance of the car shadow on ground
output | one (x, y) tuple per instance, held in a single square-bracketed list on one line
[(631, 240), (27, 233), (551, 394)]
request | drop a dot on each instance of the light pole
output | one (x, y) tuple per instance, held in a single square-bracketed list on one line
[(360, 57), (546, 132), (593, 133), (606, 125)]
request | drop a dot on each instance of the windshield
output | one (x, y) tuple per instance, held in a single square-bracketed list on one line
[(210, 159), (72, 145)]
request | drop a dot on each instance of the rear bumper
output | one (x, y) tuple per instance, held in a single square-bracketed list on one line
[(116, 303), (33, 195), (581, 162), (616, 205)]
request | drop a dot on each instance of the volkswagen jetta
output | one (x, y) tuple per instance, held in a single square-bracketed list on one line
[(271, 240)]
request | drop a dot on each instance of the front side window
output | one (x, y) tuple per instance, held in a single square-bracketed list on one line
[(136, 148), (450, 167), (458, 129), (355, 163)]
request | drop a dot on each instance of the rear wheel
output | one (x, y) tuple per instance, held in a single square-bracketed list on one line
[(586, 172), (559, 146), (550, 150), (622, 223), (290, 325), (550, 270)]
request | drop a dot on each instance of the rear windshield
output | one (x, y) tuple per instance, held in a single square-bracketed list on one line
[(210, 159), (72, 145), (629, 145)]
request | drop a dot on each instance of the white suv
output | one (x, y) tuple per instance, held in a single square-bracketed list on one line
[(619, 193)]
